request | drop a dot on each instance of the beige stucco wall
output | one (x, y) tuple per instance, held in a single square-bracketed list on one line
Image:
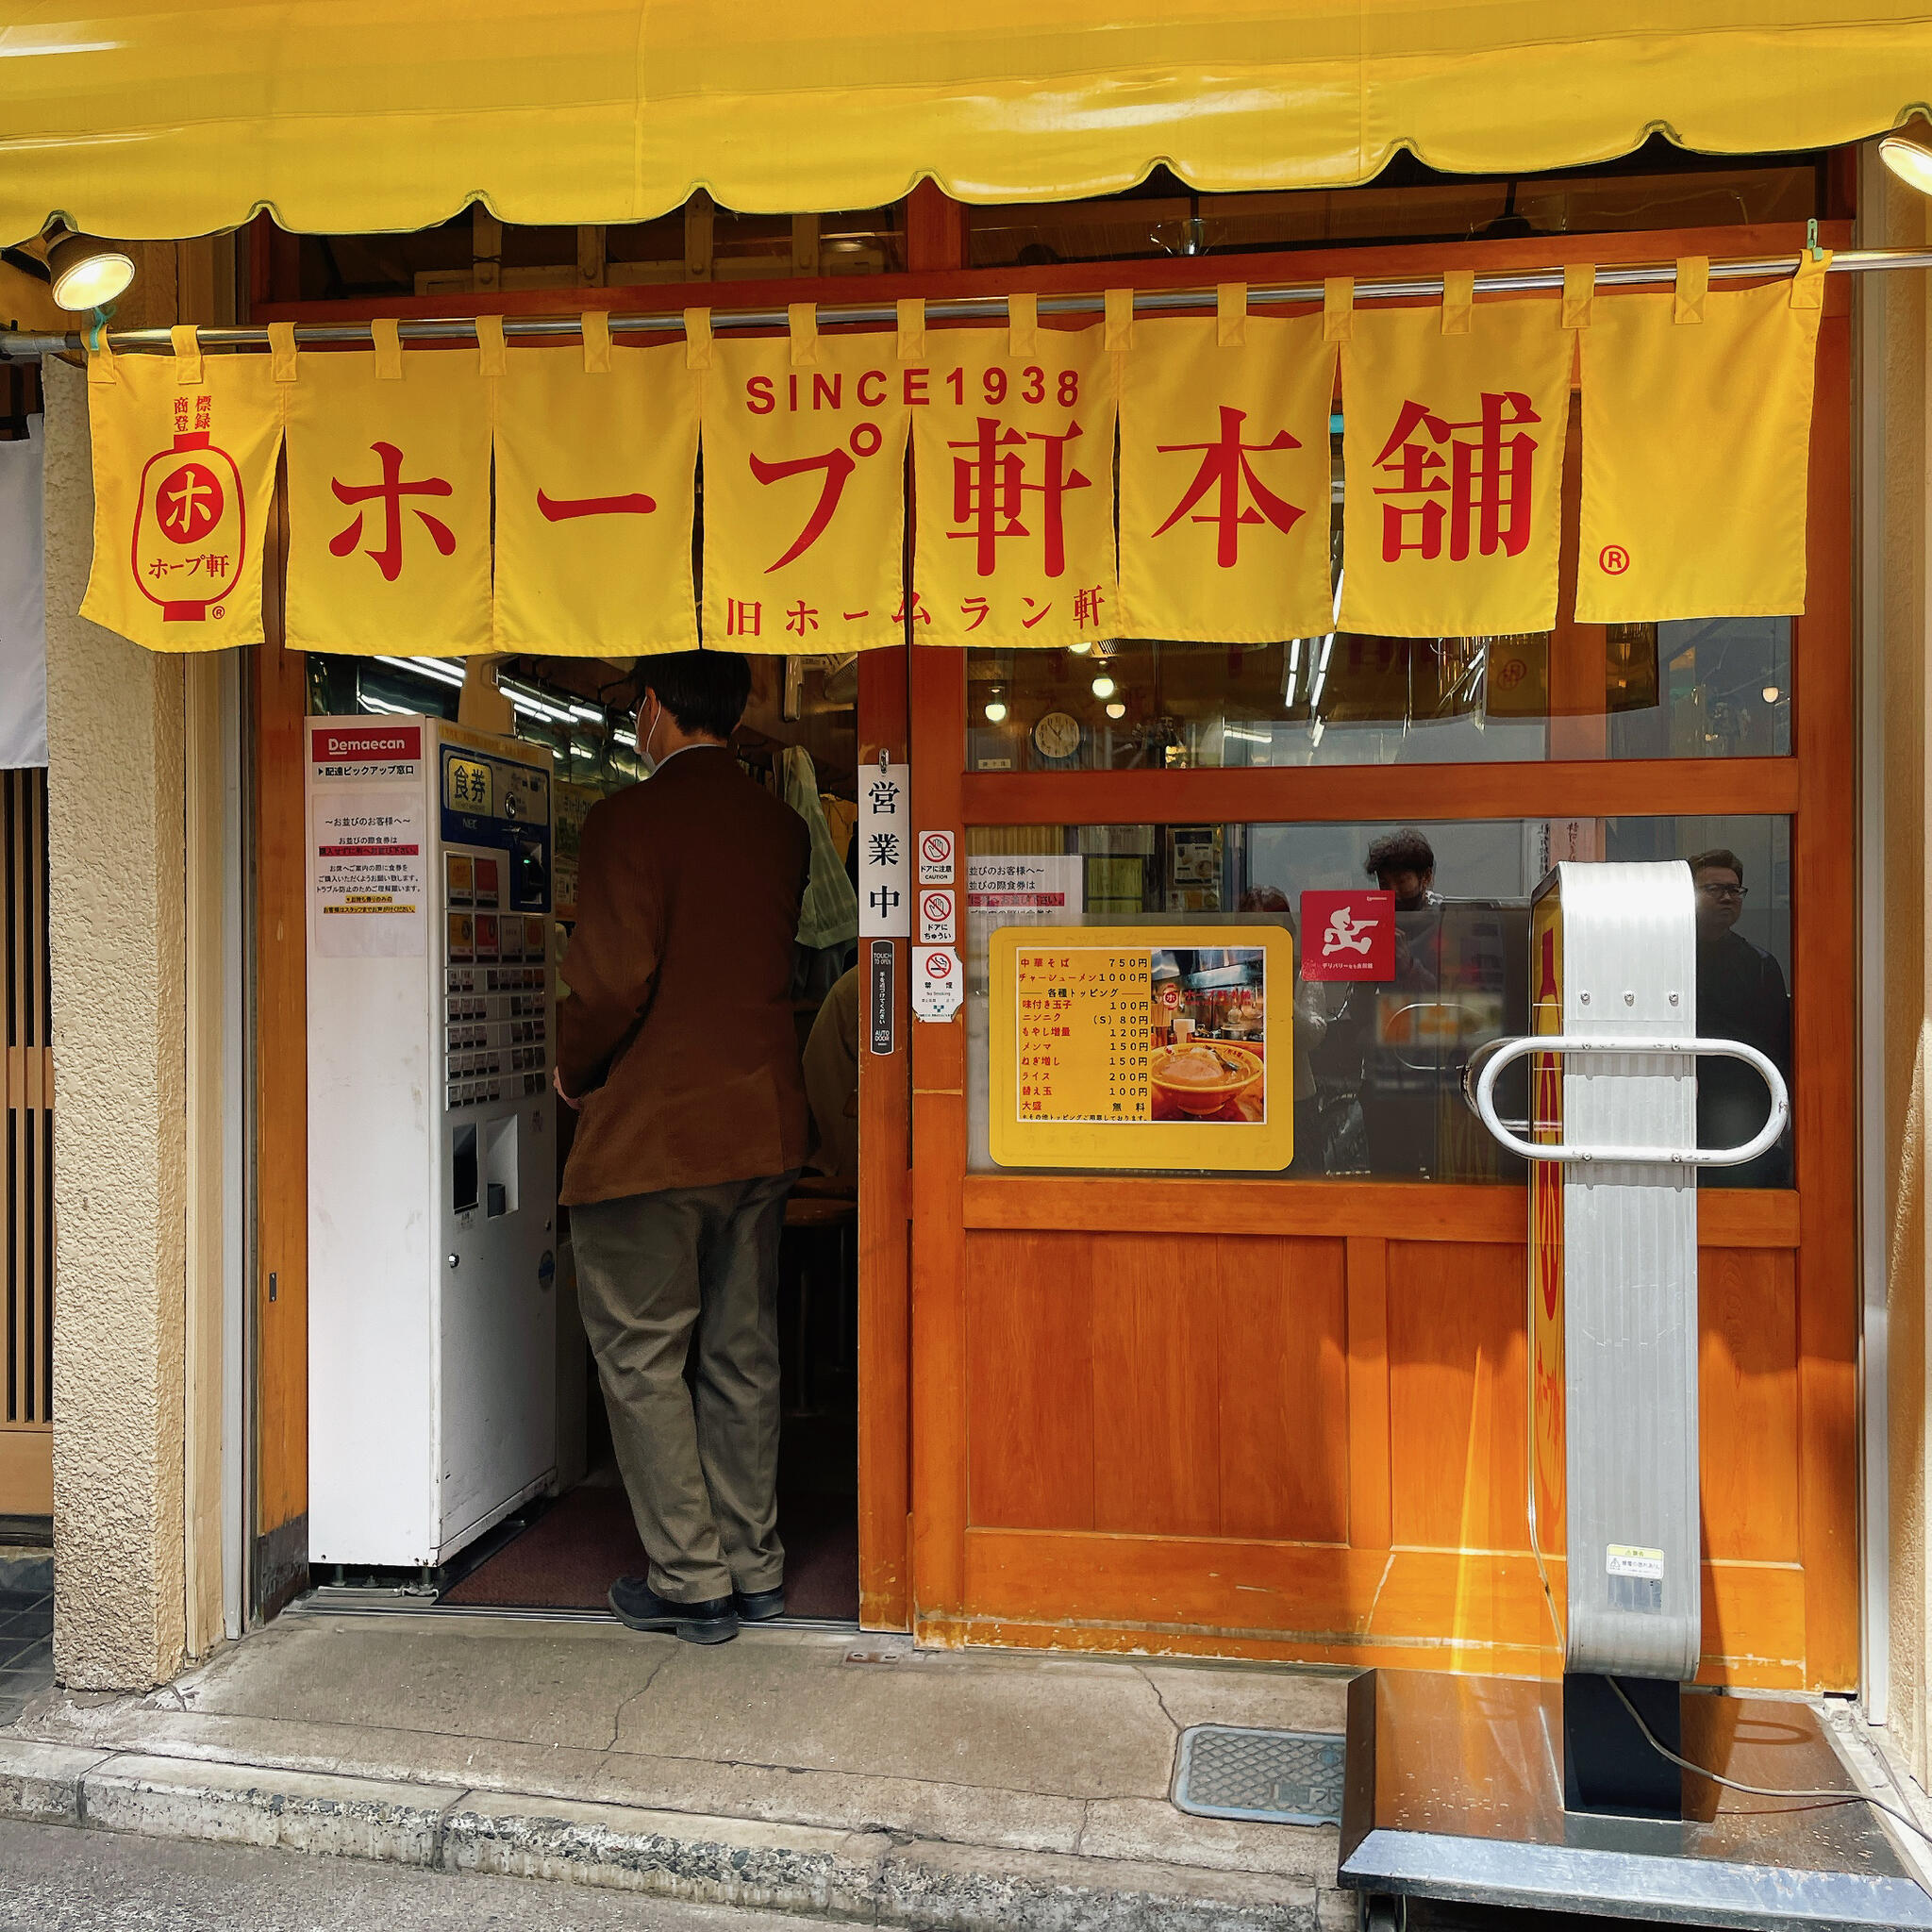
[(1898, 627), (115, 804)]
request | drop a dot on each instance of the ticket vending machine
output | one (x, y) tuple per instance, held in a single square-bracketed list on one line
[(432, 1170), (1540, 1793)]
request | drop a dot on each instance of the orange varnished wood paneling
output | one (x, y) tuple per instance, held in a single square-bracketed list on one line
[(939, 1437), (1456, 1396), (1422, 1210), (1156, 1358), (1309, 794), (1754, 1625), (1748, 1404), (1028, 1371), (1368, 1392), (282, 1072), (1285, 1392), (1826, 1041), (1329, 1603), (1258, 1588), (1159, 1386)]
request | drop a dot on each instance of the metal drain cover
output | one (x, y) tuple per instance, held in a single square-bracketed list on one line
[(1281, 1778)]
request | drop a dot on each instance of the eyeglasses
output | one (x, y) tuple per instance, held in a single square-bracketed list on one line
[(1725, 892)]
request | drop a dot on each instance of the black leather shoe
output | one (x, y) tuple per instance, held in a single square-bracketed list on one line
[(759, 1606), (638, 1605)]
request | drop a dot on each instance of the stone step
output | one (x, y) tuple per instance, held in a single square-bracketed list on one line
[(872, 1877)]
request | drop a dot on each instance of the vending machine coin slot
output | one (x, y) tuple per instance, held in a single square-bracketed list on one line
[(462, 1170)]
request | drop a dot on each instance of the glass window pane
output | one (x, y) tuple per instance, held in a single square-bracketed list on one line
[(1338, 700), (1707, 688), (1717, 687), (1378, 1066)]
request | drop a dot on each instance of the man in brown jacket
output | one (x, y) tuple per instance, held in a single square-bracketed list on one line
[(677, 1043)]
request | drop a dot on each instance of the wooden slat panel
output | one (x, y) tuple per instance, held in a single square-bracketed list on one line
[(1156, 1381), (1287, 1402), (1748, 1406), (1423, 1211), (1456, 1396), (26, 1309), (1028, 1374)]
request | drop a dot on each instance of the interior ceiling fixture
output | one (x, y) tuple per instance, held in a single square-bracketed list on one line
[(86, 272), (1908, 152)]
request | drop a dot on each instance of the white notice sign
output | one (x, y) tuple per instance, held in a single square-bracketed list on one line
[(884, 852), (1025, 889), (369, 897), (938, 984)]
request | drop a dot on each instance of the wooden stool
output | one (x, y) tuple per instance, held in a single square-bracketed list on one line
[(816, 1230)]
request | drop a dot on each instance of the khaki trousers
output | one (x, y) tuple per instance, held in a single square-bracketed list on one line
[(699, 1460)]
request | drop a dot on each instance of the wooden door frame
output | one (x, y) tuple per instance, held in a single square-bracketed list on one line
[(1813, 787), (913, 1503)]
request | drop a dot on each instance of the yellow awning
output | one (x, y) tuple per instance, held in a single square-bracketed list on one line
[(149, 119)]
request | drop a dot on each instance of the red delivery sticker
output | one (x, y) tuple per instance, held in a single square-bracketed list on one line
[(1348, 934), (335, 744)]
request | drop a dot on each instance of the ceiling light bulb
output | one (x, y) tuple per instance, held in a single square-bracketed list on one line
[(1116, 710), (1103, 686), (88, 274), (1909, 155), (1079, 650), (995, 713), (1771, 693)]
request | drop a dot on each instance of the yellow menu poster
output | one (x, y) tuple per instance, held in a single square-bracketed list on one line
[(1141, 1047)]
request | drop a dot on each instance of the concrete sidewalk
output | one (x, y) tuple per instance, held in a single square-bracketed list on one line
[(810, 1771)]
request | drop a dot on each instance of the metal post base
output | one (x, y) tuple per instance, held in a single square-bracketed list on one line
[(1608, 1765), (1454, 1791)]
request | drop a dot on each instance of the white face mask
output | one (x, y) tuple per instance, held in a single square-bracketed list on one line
[(645, 757)]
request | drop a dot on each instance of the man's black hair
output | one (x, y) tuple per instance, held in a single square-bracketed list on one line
[(1718, 858), (704, 690), (1402, 851)]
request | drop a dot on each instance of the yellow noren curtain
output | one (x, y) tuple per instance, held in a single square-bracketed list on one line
[(152, 119)]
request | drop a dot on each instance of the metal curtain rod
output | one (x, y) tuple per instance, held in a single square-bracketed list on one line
[(22, 346)]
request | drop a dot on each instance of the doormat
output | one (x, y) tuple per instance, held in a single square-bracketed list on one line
[(570, 1557), (1279, 1777)]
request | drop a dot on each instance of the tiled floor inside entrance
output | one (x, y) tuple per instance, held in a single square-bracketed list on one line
[(27, 1648)]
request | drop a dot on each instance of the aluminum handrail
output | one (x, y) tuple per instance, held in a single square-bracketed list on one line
[(1486, 1066)]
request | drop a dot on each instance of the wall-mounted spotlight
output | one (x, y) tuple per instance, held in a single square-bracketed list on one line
[(1908, 152), (87, 273)]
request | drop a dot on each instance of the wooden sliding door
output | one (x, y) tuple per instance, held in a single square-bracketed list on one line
[(1286, 1417)]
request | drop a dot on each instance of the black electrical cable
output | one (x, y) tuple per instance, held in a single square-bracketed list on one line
[(1731, 1784)]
